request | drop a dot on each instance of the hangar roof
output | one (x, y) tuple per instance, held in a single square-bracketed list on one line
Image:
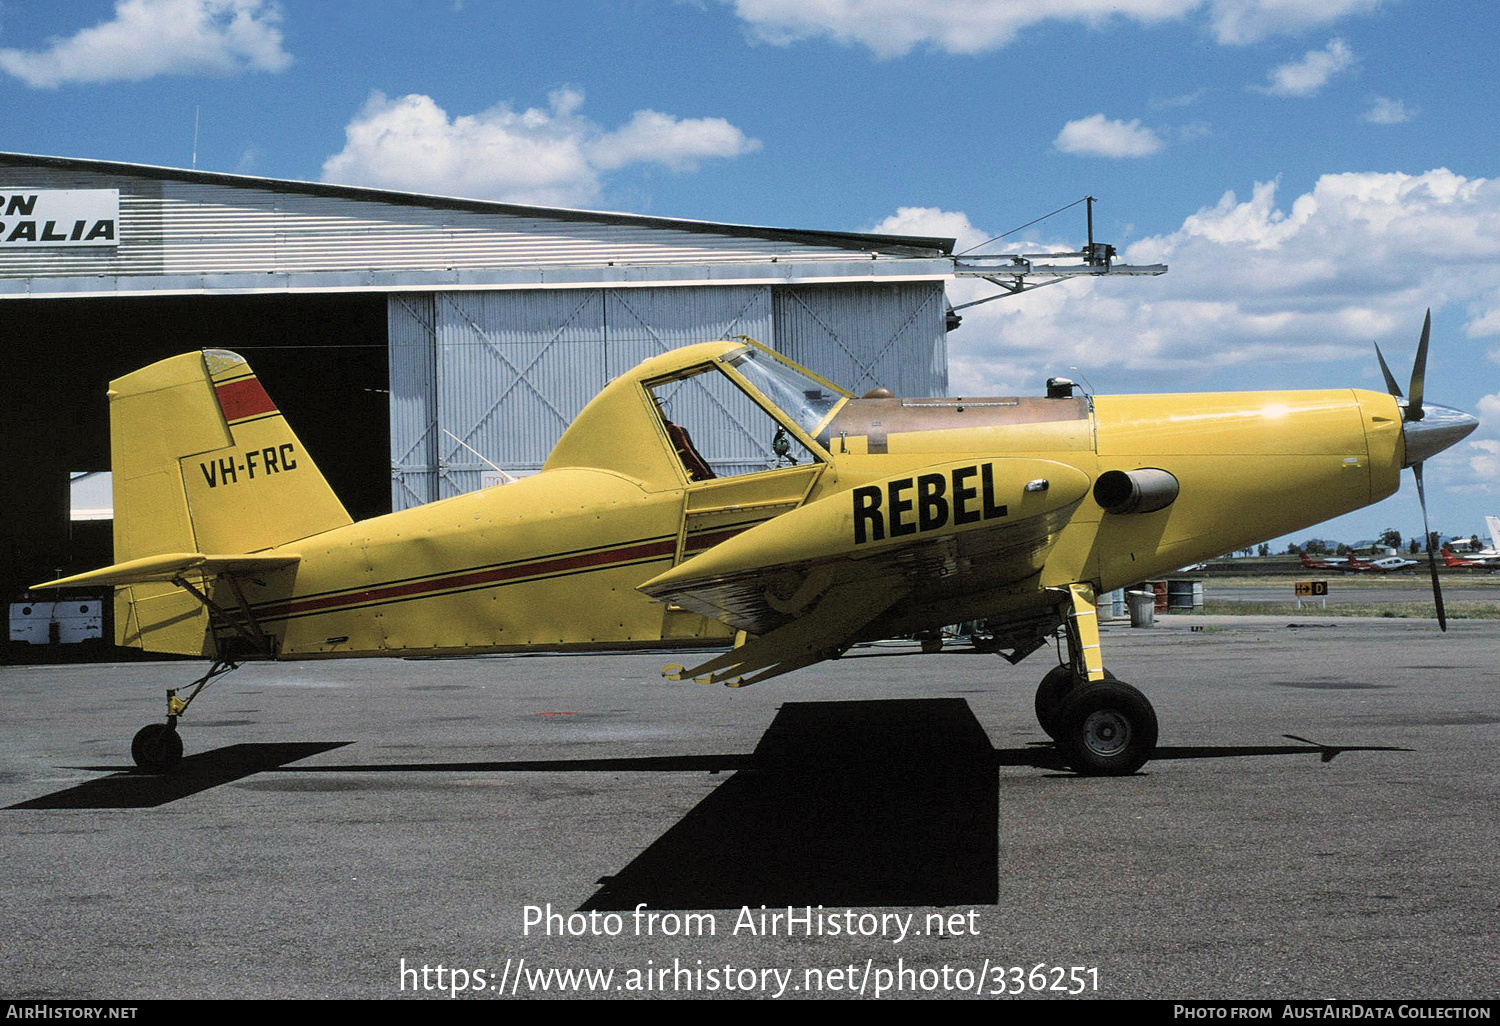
[(184, 232)]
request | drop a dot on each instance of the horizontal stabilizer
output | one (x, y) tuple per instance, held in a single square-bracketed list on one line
[(171, 565)]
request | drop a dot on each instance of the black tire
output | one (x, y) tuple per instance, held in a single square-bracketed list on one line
[(1056, 686), (156, 748), (1108, 729)]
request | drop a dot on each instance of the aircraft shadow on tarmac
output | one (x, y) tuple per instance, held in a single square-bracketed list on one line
[(851, 804), (842, 803), (134, 789), (872, 803)]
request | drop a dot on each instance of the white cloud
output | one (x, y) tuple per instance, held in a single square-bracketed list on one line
[(1252, 281), (1185, 100), (891, 28), (1098, 136), (1388, 112), (147, 38), (553, 156), (934, 223), (1249, 21), (652, 137), (1486, 321), (1482, 449), (894, 27), (1311, 73)]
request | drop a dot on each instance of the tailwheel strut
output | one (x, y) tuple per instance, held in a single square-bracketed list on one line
[(157, 747)]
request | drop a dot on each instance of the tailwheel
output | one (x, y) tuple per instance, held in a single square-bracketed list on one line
[(1056, 686), (1106, 729), (157, 747)]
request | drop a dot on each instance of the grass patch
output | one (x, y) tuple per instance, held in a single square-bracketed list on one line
[(1393, 610), (1472, 582)]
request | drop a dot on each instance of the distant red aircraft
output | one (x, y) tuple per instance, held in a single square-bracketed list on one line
[(1348, 565), (1449, 559), (1320, 564)]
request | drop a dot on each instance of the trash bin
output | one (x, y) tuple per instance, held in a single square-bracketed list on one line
[(1142, 608), (1111, 604)]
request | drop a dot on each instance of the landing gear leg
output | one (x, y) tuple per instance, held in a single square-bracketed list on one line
[(1102, 726), (157, 747)]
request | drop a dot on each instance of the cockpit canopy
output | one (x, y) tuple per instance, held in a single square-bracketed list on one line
[(720, 409)]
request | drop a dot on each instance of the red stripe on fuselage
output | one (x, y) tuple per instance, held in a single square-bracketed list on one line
[(243, 398), (473, 579), (697, 543)]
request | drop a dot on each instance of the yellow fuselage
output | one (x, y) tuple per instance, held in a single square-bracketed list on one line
[(554, 561)]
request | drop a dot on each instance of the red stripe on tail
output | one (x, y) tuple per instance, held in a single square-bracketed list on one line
[(243, 398)]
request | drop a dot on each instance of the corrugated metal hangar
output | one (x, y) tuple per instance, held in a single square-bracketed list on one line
[(411, 340)]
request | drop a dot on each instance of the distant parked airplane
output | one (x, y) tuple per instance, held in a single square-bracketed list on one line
[(1321, 564), (1490, 555), (1452, 560), (1385, 564), (1352, 565)]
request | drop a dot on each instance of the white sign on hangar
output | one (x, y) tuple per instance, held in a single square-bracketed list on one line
[(33, 218)]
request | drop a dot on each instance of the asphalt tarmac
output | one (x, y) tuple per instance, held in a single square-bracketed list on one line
[(345, 828)]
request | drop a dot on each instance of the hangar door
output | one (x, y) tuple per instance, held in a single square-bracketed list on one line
[(866, 336), (480, 378), (494, 377)]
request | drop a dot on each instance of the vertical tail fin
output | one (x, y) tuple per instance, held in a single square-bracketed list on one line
[(203, 463), (1493, 523)]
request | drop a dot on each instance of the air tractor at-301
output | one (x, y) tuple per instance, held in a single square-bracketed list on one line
[(866, 517)]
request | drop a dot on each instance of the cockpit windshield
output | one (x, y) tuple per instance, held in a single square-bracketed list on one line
[(805, 399)]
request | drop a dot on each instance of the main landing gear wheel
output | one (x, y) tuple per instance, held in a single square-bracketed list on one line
[(1106, 729), (1055, 687), (156, 748)]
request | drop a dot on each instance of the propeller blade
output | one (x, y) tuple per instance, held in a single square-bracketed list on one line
[(1390, 379), (1437, 591), (1419, 372)]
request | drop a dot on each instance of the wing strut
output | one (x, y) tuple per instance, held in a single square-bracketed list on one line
[(245, 624)]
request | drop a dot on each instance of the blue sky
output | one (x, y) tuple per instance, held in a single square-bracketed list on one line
[(1316, 172)]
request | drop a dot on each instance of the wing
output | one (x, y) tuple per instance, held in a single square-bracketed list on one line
[(811, 582)]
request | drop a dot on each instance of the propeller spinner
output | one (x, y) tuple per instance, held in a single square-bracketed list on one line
[(1427, 429)]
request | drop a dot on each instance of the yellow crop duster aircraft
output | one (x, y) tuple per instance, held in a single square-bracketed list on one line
[(864, 518)]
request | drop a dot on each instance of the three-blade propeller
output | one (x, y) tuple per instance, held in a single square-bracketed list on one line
[(1413, 412)]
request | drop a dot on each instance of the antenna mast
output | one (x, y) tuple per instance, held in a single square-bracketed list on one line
[(1020, 272)]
